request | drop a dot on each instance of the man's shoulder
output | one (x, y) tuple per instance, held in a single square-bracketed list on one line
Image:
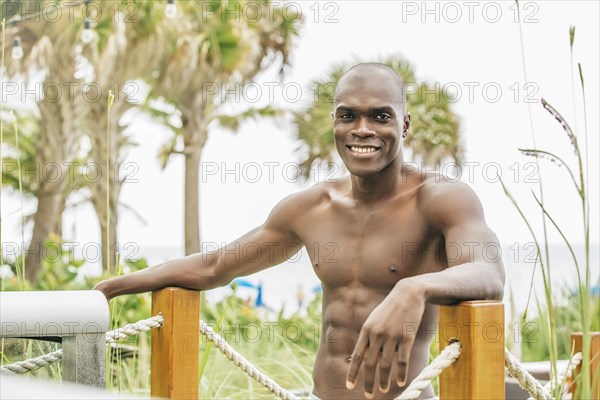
[(441, 197), (310, 198), (435, 184)]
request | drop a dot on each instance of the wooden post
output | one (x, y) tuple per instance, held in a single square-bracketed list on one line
[(176, 345), (478, 373), (577, 343)]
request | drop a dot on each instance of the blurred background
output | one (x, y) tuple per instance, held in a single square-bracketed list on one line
[(221, 109)]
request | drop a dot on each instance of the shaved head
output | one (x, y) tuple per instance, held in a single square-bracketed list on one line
[(372, 69)]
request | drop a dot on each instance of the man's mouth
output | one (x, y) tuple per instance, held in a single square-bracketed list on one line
[(363, 149)]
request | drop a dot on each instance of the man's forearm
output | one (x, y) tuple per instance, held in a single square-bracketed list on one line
[(469, 281), (192, 272)]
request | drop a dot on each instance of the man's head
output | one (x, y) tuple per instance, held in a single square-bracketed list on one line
[(369, 118)]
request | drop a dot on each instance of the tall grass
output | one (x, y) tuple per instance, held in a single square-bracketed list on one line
[(111, 100), (286, 355), (580, 182), (544, 262), (2, 166)]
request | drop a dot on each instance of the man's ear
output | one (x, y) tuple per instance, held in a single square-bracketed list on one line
[(406, 125)]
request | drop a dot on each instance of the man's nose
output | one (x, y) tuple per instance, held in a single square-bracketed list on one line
[(362, 129)]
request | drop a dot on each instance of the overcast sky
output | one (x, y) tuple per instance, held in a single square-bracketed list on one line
[(470, 48), (466, 56)]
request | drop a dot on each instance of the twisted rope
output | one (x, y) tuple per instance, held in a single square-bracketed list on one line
[(239, 361), (573, 363), (524, 378), (32, 364), (21, 367), (448, 356), (143, 325), (423, 380)]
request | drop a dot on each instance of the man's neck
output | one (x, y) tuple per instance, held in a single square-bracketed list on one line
[(379, 186)]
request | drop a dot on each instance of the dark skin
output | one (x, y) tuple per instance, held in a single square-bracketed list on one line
[(388, 242)]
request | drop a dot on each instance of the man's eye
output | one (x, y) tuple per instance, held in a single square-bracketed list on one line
[(346, 115), (383, 117)]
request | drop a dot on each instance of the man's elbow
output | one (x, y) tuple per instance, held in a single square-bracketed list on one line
[(496, 289)]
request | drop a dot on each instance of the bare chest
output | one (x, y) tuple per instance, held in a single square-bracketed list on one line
[(375, 248)]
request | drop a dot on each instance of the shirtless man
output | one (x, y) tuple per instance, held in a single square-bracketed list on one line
[(404, 242)]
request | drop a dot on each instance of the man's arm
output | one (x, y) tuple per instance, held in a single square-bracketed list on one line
[(475, 272), (265, 246)]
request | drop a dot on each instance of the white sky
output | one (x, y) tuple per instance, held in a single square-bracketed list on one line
[(473, 52), (478, 53)]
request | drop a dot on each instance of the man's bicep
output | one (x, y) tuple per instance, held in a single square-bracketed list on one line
[(261, 248), (471, 241), (458, 213), (267, 245)]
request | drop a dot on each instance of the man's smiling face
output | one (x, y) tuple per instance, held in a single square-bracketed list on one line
[(369, 120)]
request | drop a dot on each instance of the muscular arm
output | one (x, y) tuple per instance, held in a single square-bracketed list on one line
[(265, 246), (475, 272)]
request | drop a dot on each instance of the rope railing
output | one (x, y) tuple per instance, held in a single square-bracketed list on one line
[(239, 361), (524, 378), (32, 364), (532, 385), (567, 373), (448, 357)]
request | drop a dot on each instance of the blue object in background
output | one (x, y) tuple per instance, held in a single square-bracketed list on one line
[(259, 302), (245, 283), (259, 290)]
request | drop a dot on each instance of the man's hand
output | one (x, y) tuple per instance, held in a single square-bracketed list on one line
[(101, 288), (387, 336)]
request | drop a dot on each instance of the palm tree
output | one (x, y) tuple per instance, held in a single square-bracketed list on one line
[(121, 54), (47, 48), (434, 133), (215, 48), (186, 53)]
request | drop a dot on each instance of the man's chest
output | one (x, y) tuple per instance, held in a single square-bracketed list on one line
[(375, 248)]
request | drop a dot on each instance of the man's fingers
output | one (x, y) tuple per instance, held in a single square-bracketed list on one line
[(371, 358), (403, 356), (356, 360), (385, 365)]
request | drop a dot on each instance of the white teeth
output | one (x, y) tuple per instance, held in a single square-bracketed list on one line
[(363, 149)]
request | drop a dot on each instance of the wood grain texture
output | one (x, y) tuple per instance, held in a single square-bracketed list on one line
[(478, 374), (176, 345), (577, 342)]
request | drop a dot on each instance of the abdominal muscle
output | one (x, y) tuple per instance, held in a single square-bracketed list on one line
[(344, 312)]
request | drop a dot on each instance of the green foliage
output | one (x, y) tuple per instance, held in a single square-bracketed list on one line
[(28, 135), (551, 316), (283, 347), (535, 344)]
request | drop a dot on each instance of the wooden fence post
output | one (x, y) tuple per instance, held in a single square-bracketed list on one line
[(478, 373), (577, 343), (176, 345)]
